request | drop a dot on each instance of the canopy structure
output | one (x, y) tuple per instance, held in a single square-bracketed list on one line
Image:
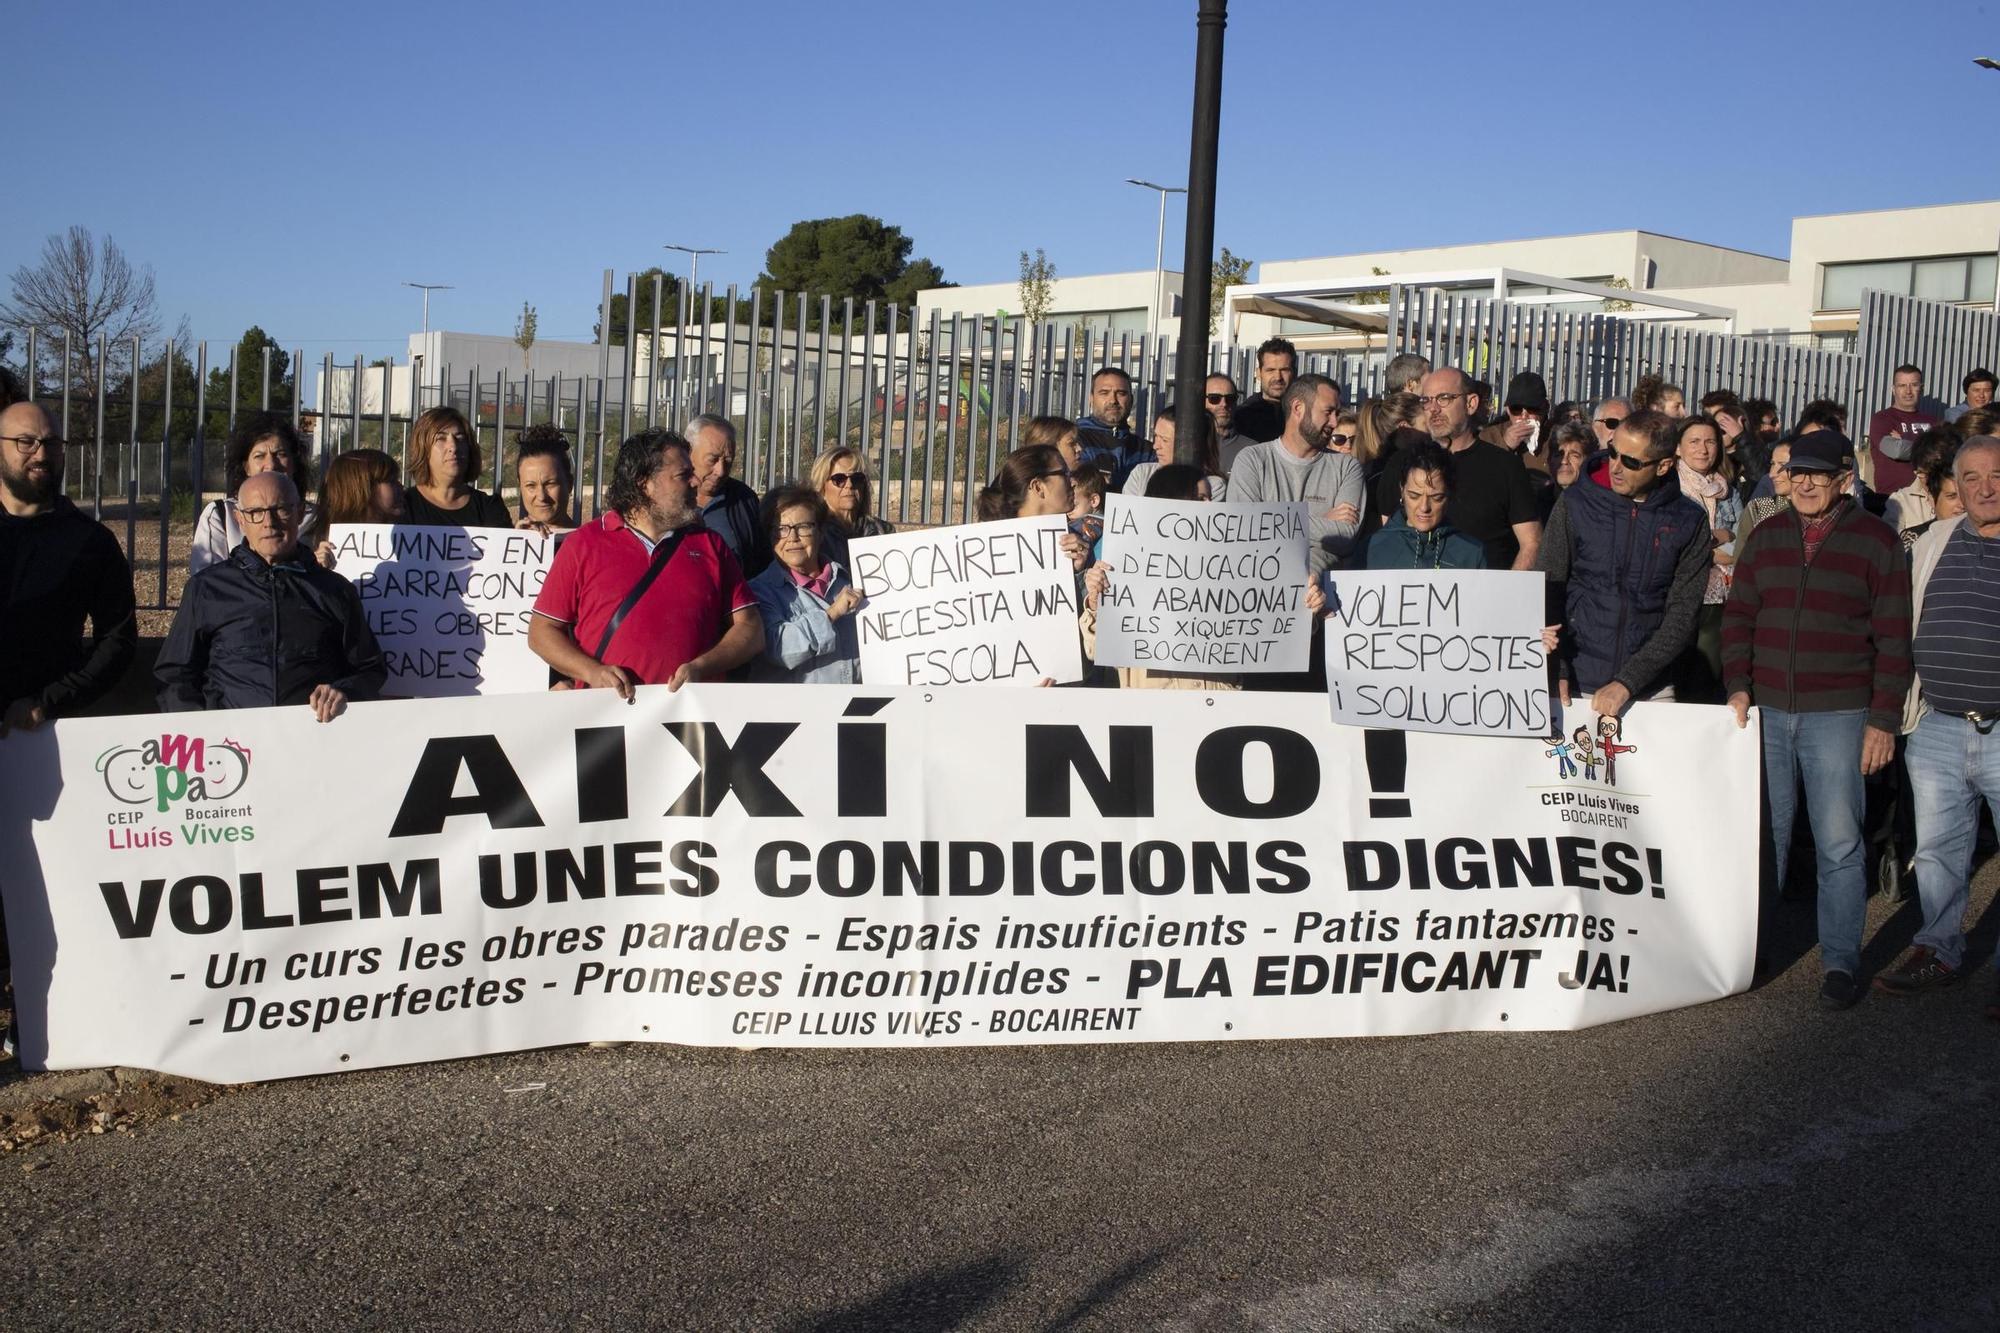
[(1331, 301)]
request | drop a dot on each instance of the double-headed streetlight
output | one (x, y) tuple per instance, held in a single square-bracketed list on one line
[(694, 254), (1159, 256)]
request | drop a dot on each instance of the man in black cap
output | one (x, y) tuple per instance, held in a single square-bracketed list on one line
[(1525, 424)]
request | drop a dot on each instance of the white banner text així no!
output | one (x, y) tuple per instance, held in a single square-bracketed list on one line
[(254, 895), (1438, 650), (978, 604), (1206, 588), (450, 607)]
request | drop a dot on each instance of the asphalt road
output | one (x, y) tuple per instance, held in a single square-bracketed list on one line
[(1747, 1164)]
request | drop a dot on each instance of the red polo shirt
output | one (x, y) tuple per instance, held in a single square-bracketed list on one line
[(683, 615)]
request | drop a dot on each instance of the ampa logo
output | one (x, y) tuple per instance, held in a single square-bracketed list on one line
[(173, 769)]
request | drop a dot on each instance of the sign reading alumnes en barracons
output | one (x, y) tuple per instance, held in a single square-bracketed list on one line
[(785, 865), (1204, 588), (450, 607), (979, 604)]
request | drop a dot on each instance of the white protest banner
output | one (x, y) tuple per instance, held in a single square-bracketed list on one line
[(1438, 650), (1205, 588), (980, 604), (251, 894), (449, 606)]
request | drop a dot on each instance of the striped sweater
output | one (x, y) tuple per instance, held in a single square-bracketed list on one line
[(1824, 635)]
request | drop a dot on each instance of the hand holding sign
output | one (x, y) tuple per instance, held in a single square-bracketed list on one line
[(984, 604), (1439, 650), (1196, 587)]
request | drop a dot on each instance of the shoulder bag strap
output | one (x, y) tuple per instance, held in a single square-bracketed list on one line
[(662, 553)]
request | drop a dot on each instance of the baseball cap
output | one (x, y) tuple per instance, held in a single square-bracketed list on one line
[(1820, 451)]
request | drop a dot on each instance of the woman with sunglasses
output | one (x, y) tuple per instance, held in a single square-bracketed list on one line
[(840, 479), (1033, 482)]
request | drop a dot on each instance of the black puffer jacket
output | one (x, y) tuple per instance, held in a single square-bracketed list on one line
[(256, 635)]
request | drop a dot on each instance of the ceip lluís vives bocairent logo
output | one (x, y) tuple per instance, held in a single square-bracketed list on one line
[(179, 788)]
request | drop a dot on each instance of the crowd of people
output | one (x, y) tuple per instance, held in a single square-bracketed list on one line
[(1706, 555)]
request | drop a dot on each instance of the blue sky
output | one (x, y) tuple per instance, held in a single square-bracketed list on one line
[(291, 165)]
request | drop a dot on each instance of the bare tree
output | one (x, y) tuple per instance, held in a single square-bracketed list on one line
[(86, 288)]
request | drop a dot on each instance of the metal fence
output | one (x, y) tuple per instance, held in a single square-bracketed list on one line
[(935, 401), (1585, 356), (1948, 341)]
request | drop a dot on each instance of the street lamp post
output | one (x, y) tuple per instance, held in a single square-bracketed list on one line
[(427, 288), (1988, 62), (694, 254), (1159, 256)]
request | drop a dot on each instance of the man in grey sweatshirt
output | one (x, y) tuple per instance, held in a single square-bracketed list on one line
[(1298, 466)]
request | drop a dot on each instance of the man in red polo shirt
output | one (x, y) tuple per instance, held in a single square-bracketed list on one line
[(695, 620)]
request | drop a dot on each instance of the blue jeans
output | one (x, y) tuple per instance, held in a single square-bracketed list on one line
[(1951, 767), (1824, 751)]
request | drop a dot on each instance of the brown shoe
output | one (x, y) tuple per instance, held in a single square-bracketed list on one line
[(1920, 970)]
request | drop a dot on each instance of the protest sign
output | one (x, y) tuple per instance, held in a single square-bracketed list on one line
[(782, 866), (980, 604), (449, 606), (1438, 650), (1204, 588)]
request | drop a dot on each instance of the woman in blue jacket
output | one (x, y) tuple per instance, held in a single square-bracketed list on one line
[(807, 600)]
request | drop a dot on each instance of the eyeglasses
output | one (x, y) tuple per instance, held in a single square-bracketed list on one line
[(271, 514), (1441, 399), (786, 530), (1222, 397), (28, 445), (1610, 423), (846, 478), (1811, 477)]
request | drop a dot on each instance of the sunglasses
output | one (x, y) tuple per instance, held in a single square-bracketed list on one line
[(1611, 423), (1635, 464), (846, 478), (1222, 397), (1339, 441)]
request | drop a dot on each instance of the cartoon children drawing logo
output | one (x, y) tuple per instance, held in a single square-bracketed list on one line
[(1585, 751)]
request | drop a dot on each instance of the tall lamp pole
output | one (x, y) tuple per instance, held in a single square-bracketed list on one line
[(1159, 256), (1191, 366), (427, 288), (1988, 62), (694, 254)]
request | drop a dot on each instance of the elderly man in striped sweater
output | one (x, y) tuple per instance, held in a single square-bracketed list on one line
[(1816, 632)]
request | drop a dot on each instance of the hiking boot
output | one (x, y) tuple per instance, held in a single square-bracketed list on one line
[(1839, 991), (1920, 970)]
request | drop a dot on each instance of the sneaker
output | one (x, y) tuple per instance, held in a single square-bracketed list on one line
[(1920, 970), (1839, 991)]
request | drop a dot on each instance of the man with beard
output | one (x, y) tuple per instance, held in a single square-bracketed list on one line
[(56, 568), (645, 594), (1220, 396)]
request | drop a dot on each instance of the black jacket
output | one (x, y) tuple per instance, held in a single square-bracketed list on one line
[(257, 635), (55, 569)]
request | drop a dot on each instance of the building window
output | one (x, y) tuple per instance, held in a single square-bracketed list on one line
[(1953, 278)]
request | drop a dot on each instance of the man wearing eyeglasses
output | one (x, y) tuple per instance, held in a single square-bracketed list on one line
[(1220, 396), (1492, 500), (268, 627), (1816, 633), (56, 568), (1606, 419), (1630, 562)]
